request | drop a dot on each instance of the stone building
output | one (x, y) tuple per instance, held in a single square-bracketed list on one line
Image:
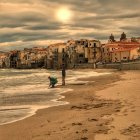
[(94, 51), (49, 57), (120, 51), (32, 58), (14, 59), (4, 60), (60, 55), (125, 53), (84, 51), (72, 55), (56, 56)]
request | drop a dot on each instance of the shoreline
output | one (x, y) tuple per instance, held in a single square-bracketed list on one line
[(79, 120), (80, 81), (34, 111)]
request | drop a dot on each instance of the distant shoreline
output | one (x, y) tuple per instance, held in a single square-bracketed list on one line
[(119, 66)]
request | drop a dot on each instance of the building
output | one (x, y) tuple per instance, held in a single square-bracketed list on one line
[(123, 37), (71, 53), (4, 60), (111, 38), (32, 58), (125, 54), (56, 55), (94, 51), (83, 51), (14, 58), (120, 51)]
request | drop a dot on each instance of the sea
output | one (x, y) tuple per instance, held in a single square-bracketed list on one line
[(23, 92)]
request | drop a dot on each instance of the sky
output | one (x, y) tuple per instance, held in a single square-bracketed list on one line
[(30, 23)]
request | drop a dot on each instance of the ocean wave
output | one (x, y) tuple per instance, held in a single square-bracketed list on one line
[(24, 76), (22, 112), (26, 91)]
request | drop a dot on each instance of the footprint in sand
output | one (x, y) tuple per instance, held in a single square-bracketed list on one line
[(92, 120), (133, 110), (76, 132), (112, 126), (84, 138), (117, 110), (73, 124), (133, 130), (84, 131)]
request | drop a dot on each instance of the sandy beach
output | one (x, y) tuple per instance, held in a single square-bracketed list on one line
[(105, 108)]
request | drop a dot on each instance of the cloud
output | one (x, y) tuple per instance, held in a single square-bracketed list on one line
[(23, 22), (30, 36), (49, 26), (132, 30)]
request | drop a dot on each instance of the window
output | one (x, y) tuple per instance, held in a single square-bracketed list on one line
[(82, 42), (81, 55), (86, 44), (124, 57)]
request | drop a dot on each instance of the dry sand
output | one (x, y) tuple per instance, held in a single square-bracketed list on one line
[(107, 109)]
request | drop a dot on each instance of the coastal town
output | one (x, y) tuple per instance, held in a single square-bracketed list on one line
[(74, 52), (69, 70)]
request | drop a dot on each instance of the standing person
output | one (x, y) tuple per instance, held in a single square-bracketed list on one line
[(63, 74), (53, 81)]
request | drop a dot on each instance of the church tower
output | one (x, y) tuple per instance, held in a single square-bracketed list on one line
[(111, 38), (123, 36)]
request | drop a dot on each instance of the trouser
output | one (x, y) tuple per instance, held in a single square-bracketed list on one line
[(53, 84), (63, 80)]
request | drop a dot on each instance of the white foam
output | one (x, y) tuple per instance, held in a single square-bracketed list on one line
[(38, 87), (34, 108)]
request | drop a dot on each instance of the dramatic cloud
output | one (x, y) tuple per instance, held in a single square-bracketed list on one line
[(25, 23)]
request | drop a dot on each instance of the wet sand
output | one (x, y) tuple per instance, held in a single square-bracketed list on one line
[(106, 108)]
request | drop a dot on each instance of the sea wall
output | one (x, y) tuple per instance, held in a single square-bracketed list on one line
[(121, 66), (83, 66)]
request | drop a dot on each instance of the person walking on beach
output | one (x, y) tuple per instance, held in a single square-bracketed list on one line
[(53, 81), (63, 74)]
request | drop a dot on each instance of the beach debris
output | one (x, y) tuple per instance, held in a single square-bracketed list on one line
[(91, 120), (91, 106), (102, 131), (42, 125), (133, 130), (76, 124), (48, 121), (84, 138), (84, 131), (117, 110), (63, 128), (76, 132), (133, 110), (36, 136), (48, 134)]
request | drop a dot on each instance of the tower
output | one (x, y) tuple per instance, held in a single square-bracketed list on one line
[(111, 38), (123, 36)]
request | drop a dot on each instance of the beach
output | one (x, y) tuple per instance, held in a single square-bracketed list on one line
[(104, 108)]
